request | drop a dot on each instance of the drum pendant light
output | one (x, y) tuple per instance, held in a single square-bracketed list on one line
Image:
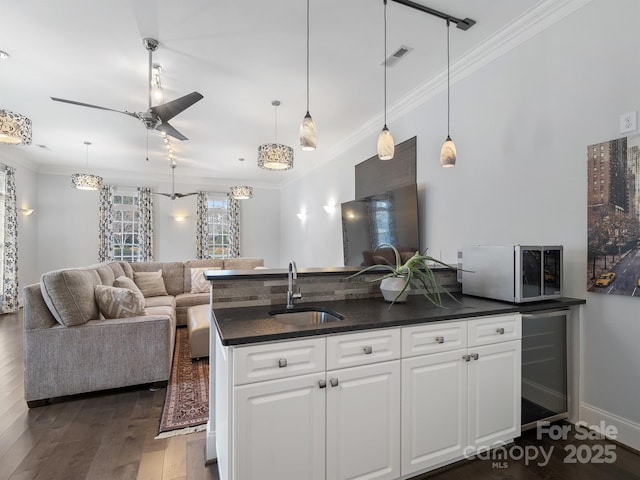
[(308, 129), (386, 145), (448, 152)]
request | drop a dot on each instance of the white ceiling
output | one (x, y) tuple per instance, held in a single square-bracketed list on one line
[(240, 55)]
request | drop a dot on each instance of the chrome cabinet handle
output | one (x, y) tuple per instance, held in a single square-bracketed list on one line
[(334, 382), (282, 362), (475, 356), (322, 383), (466, 358), (439, 339), (367, 350), (500, 331)]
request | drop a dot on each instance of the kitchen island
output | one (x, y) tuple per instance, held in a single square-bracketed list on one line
[(383, 393)]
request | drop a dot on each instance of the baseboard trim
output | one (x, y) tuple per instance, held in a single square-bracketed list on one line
[(628, 431)]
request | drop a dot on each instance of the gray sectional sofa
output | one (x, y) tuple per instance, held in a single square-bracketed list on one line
[(92, 328)]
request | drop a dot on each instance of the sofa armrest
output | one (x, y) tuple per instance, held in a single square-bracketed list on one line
[(98, 355)]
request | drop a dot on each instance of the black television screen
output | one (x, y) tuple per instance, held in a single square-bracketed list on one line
[(388, 217)]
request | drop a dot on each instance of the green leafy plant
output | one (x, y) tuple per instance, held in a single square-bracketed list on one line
[(416, 272)]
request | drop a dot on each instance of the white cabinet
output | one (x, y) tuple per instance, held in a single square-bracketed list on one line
[(494, 394), (434, 410), (278, 430), (377, 404), (464, 396), (363, 422), (285, 416)]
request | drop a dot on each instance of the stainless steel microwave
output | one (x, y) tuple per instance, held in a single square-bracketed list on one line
[(514, 273)]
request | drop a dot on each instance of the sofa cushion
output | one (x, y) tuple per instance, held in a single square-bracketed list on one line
[(172, 274), (243, 263), (69, 295), (161, 301), (151, 284), (199, 284), (115, 302), (125, 282)]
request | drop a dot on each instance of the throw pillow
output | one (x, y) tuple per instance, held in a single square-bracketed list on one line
[(150, 284), (199, 284), (115, 302), (126, 282)]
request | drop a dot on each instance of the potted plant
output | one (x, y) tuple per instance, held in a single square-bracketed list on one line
[(396, 283)]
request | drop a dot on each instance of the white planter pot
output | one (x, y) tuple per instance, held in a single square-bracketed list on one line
[(390, 287)]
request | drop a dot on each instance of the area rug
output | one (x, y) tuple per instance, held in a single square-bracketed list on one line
[(186, 405)]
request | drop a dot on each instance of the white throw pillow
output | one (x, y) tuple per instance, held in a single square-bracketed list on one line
[(115, 302), (199, 284)]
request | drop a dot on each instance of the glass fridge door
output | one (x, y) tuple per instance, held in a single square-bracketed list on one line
[(552, 270), (531, 272)]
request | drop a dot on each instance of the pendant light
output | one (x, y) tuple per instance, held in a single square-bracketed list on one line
[(308, 129), (15, 129), (448, 152), (386, 145), (86, 181), (275, 156), (241, 192)]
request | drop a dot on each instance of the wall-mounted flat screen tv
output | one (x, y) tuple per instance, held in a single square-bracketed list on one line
[(388, 217)]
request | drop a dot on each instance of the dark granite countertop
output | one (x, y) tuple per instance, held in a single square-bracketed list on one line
[(245, 325)]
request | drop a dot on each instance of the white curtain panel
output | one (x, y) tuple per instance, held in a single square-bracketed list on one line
[(10, 260), (233, 213), (202, 225), (105, 224), (145, 225)]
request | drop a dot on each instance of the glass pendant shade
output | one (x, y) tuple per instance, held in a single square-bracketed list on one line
[(275, 156), (86, 181), (15, 129), (308, 133), (242, 192), (448, 153), (386, 145)]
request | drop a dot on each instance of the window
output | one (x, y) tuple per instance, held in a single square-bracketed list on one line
[(125, 227), (218, 238)]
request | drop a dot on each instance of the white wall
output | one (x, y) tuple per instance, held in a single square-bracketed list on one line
[(521, 125), (68, 226)]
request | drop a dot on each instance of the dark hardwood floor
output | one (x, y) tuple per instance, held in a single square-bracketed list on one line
[(111, 436)]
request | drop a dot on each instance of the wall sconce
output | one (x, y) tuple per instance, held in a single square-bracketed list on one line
[(179, 218), (302, 215), (26, 211), (330, 208)]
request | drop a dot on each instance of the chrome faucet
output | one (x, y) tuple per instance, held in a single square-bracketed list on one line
[(293, 275)]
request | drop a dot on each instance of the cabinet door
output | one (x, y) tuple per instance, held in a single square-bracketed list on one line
[(494, 394), (363, 422), (434, 410), (279, 429)]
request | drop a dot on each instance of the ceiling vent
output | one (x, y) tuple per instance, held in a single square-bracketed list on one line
[(397, 55)]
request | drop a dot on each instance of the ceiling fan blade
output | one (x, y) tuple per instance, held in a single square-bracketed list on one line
[(165, 194), (92, 106), (180, 195), (169, 130), (168, 110)]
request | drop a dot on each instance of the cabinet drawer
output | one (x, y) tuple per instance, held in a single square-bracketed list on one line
[(278, 360), (433, 337), (363, 348), (487, 330)]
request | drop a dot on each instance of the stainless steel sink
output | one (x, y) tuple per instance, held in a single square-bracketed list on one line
[(306, 316)]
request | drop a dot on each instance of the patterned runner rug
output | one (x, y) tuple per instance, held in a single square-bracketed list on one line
[(186, 405)]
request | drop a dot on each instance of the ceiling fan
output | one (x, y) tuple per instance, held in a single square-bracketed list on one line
[(155, 118), (173, 195)]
